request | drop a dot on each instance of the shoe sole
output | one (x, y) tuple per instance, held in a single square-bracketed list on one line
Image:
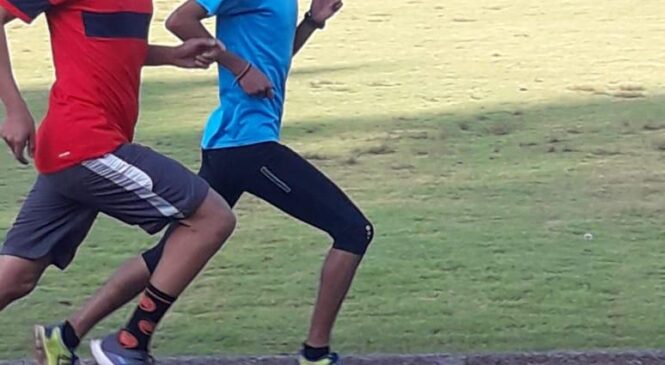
[(98, 353), (38, 336)]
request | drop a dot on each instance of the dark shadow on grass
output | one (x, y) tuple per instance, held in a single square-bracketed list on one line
[(38, 98), (500, 122), (556, 127), (632, 116)]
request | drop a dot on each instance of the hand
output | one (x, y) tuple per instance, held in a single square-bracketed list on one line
[(213, 55), (255, 83), (188, 55), (322, 10), (18, 131)]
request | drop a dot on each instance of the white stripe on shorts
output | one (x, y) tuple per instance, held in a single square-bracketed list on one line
[(132, 179)]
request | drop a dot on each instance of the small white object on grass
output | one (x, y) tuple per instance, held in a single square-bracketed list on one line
[(588, 236)]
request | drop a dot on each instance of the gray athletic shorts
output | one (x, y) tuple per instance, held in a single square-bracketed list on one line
[(134, 184)]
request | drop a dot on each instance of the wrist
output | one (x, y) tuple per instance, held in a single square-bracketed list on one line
[(170, 55), (313, 21), (244, 72), (234, 64), (17, 107)]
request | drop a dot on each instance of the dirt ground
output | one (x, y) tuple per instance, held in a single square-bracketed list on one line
[(552, 358)]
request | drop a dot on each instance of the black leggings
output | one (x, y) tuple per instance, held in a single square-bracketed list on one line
[(281, 177)]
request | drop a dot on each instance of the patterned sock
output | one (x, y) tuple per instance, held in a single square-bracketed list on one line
[(152, 307)]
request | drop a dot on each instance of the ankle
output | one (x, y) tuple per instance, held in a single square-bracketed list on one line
[(69, 336), (152, 307), (315, 353)]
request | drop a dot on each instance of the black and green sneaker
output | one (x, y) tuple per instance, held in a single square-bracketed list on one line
[(50, 348)]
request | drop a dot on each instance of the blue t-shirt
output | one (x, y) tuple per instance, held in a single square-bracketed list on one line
[(261, 32)]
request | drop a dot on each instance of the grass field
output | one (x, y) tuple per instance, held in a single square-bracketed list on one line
[(484, 139)]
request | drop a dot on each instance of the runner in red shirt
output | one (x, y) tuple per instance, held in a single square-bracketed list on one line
[(99, 47), (88, 164)]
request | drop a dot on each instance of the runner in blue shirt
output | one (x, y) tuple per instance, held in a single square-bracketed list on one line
[(242, 153)]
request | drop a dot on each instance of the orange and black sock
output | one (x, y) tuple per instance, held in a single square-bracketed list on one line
[(152, 307)]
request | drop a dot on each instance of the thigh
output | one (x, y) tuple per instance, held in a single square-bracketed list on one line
[(138, 186), (217, 171), (49, 225), (293, 185)]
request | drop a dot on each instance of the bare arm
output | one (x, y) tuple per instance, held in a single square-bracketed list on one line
[(159, 56), (305, 31), (185, 23), (18, 129), (321, 11), (9, 93), (185, 55)]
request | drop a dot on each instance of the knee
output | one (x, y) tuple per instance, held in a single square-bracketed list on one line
[(222, 226), (14, 290), (355, 237), (216, 219), (19, 277)]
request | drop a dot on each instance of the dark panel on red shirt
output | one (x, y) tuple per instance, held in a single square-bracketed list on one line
[(31, 8), (116, 25)]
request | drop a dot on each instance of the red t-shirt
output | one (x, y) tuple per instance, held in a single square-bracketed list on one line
[(99, 48)]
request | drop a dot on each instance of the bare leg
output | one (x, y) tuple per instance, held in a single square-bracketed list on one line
[(337, 275), (18, 277), (192, 244), (186, 252), (127, 282)]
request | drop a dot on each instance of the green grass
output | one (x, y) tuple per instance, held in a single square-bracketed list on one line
[(483, 138)]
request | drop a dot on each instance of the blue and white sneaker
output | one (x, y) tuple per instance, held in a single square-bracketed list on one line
[(109, 351)]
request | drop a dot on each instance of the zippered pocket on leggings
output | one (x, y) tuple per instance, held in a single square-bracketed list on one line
[(275, 180)]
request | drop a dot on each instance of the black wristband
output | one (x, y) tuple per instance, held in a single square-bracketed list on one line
[(314, 23)]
